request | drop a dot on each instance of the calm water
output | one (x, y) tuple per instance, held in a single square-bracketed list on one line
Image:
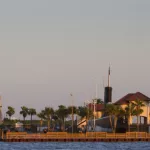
[(76, 146)]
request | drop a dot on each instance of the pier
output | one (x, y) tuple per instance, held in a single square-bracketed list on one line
[(75, 137)]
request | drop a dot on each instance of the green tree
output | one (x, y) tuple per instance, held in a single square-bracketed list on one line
[(62, 113), (41, 115), (138, 110), (24, 112), (99, 101), (48, 113), (85, 112), (10, 112), (75, 110), (118, 112), (129, 112), (114, 111), (72, 110), (110, 112), (31, 112)]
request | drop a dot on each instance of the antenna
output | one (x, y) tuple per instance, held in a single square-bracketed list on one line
[(109, 76), (103, 83), (96, 92)]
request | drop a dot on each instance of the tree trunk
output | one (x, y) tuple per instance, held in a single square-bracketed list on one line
[(41, 122), (48, 124), (31, 119), (111, 123), (137, 123), (64, 125), (24, 122), (115, 123), (129, 124)]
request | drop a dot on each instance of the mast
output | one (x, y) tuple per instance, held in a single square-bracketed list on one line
[(108, 90), (109, 76)]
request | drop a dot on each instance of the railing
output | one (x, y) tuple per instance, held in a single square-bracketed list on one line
[(63, 135), (81, 121)]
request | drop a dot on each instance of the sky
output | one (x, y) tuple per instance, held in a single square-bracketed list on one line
[(51, 48)]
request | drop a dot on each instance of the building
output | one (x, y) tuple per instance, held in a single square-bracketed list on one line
[(123, 102), (130, 98)]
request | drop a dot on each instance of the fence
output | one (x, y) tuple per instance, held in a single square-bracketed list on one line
[(64, 135)]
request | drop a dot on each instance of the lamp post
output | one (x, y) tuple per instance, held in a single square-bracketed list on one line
[(72, 113), (94, 102), (86, 104)]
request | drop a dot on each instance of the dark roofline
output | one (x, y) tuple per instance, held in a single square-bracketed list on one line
[(132, 97)]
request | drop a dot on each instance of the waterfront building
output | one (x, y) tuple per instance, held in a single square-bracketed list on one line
[(131, 98), (102, 121)]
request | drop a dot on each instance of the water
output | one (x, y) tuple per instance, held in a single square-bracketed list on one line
[(76, 146)]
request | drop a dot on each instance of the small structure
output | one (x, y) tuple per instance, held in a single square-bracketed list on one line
[(19, 126)]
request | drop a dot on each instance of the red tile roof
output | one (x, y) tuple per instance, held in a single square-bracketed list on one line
[(132, 97), (98, 107)]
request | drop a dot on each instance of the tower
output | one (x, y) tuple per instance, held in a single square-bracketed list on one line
[(108, 90)]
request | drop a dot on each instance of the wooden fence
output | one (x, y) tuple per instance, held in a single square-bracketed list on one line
[(64, 135)]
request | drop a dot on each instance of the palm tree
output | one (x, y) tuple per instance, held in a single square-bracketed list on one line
[(110, 112), (72, 110), (99, 101), (48, 113), (10, 112), (129, 112), (31, 112), (62, 113), (85, 112), (24, 112), (75, 110), (114, 112), (41, 115), (138, 110)]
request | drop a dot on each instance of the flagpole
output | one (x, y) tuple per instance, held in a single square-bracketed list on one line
[(94, 102)]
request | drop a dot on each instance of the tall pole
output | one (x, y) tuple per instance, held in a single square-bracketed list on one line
[(87, 116), (72, 112), (109, 97), (94, 113), (94, 102), (109, 76)]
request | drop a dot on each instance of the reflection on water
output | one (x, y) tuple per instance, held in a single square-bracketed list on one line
[(76, 146)]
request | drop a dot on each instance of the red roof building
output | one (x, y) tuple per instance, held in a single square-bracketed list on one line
[(98, 107), (132, 97)]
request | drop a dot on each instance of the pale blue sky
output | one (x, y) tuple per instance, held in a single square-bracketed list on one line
[(49, 49)]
